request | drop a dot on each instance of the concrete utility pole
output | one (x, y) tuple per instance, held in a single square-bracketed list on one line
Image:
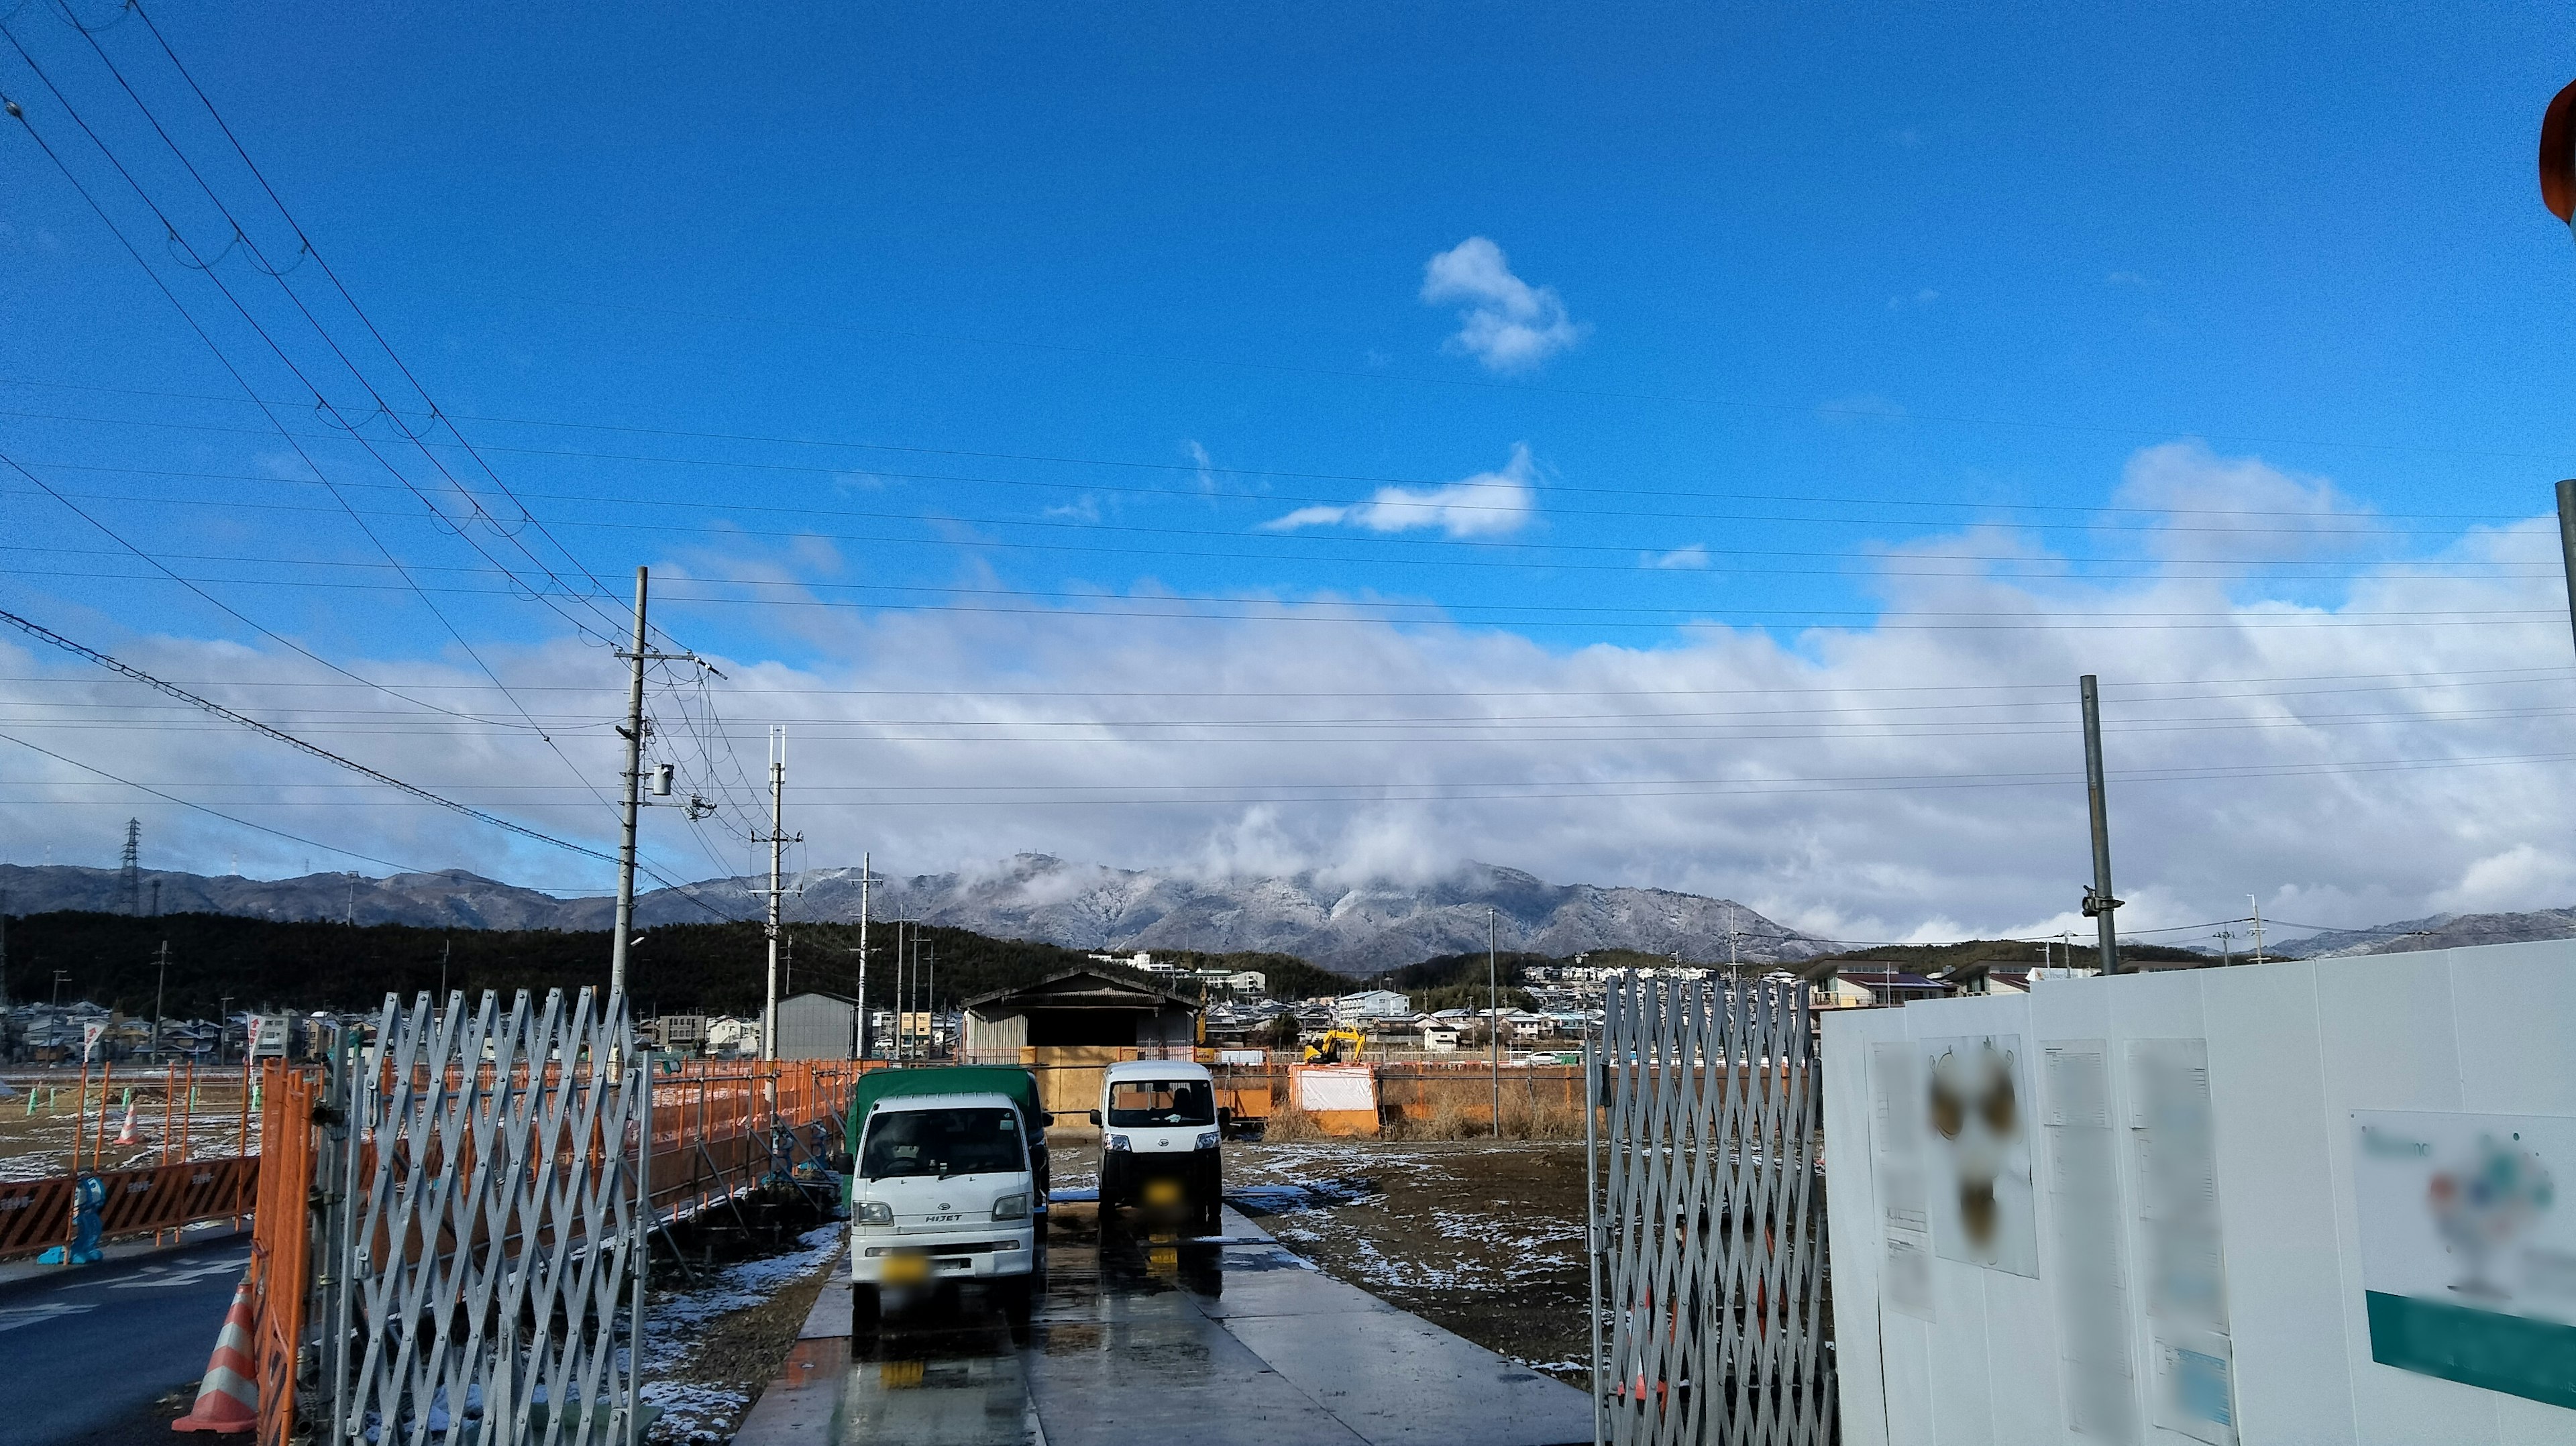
[(902, 966), (160, 989), (777, 843), (2567, 542), (633, 783), (2258, 927), (1494, 1023), (631, 779), (867, 876), (2098, 901), (930, 1006)]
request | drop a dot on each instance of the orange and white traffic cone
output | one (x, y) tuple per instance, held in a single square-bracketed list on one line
[(228, 1398), (125, 1135)]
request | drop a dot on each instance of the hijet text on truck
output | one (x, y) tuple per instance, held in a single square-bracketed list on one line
[(1161, 1138)]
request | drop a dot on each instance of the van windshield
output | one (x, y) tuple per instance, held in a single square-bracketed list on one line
[(942, 1143), (1141, 1102)]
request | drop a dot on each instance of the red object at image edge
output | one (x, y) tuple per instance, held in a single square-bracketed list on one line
[(2558, 155)]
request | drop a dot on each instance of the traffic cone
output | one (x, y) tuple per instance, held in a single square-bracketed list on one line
[(125, 1135), (228, 1398)]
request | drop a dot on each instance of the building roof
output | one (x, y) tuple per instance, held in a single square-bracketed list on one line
[(1885, 979), (1081, 989)]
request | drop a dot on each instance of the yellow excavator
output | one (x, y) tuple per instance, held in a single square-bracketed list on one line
[(1338, 1046)]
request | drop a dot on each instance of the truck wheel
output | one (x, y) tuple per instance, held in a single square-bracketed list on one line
[(1016, 1294)]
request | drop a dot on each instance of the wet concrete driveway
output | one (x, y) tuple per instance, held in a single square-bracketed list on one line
[(1184, 1343)]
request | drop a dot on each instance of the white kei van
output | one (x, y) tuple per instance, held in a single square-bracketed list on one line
[(1160, 1138)]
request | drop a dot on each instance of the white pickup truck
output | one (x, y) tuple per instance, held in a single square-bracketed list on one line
[(944, 1190), (1160, 1138)]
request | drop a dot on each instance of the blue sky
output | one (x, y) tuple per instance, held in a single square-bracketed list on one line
[(1812, 297)]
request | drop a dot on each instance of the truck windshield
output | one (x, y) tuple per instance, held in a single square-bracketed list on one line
[(1138, 1102), (942, 1142)]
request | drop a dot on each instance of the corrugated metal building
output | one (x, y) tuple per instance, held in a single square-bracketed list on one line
[(818, 1026)]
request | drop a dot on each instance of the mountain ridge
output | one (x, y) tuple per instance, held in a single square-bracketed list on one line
[(1351, 928)]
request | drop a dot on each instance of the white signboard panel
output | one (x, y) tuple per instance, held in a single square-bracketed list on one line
[(269, 1033), (2086, 1226), (1336, 1087), (2468, 1256), (2173, 1134), (1897, 1165), (1976, 1094)]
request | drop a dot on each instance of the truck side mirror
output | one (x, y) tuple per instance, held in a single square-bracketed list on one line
[(1225, 1114), (1095, 1117)]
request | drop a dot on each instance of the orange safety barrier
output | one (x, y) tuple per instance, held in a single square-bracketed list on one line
[(281, 1242), (712, 1119), (36, 1214)]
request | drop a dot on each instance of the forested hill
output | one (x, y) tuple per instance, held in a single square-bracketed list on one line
[(677, 968)]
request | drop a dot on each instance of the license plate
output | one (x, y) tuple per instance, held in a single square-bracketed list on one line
[(1162, 1193), (904, 1270)]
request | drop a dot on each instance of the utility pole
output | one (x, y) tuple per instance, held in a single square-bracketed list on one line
[(777, 845), (1494, 1020), (631, 779), (867, 876), (2567, 541), (160, 989), (930, 1006), (446, 947), (2226, 947), (902, 966), (223, 1007), (632, 782), (2258, 927), (2098, 901)]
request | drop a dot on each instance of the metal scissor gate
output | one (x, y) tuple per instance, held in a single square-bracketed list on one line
[(485, 1252), (1708, 1218)]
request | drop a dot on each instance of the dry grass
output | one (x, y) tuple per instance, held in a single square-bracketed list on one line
[(1456, 1118), (1288, 1125)]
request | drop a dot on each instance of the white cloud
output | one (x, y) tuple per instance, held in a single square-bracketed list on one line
[(1503, 321), (1689, 558), (1489, 504), (1206, 465), (1917, 777)]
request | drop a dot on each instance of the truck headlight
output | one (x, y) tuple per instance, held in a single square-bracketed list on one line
[(1113, 1142), (1011, 1207), (875, 1212), (1208, 1139)]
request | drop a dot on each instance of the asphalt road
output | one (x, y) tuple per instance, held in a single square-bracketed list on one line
[(86, 1354)]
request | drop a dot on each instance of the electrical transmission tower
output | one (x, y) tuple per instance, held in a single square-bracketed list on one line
[(129, 875)]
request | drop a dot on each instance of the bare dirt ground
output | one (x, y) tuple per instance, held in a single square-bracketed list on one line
[(712, 1345), (1479, 1237), (41, 1113)]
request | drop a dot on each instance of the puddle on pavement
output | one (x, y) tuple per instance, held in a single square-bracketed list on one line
[(1306, 1195)]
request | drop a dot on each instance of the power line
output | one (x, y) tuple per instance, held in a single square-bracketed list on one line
[(212, 813), (1302, 543), (158, 565), (80, 650), (1982, 506), (1452, 493), (321, 399)]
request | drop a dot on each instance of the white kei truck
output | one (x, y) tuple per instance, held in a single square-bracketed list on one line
[(1161, 1135), (948, 1183)]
